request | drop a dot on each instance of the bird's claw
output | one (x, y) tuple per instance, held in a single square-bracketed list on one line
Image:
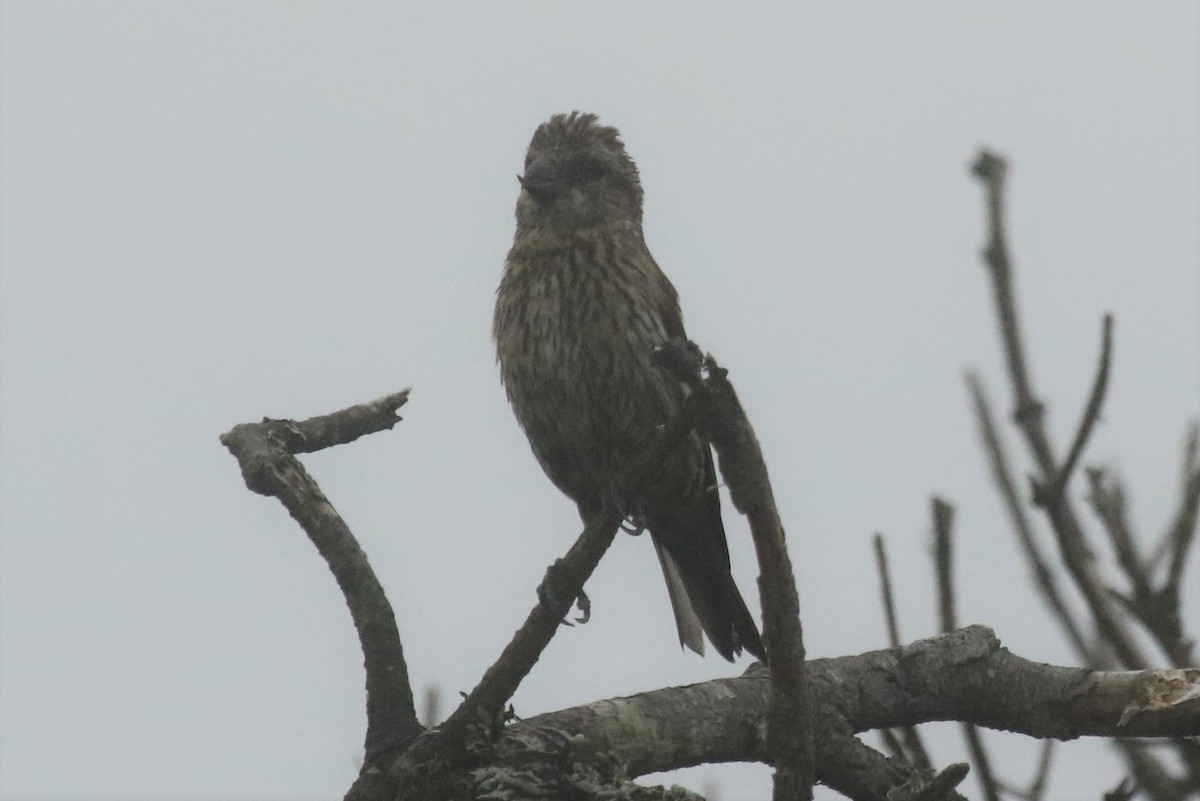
[(550, 596), (585, 608)]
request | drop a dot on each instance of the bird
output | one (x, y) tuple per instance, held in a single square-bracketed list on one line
[(580, 309)]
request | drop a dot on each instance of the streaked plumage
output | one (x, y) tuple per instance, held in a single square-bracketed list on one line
[(579, 311)]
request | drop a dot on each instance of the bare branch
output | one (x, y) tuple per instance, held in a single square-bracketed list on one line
[(724, 422), (904, 742), (345, 426), (1091, 413), (914, 748), (966, 674), (1072, 542), (265, 453), (1037, 788), (1183, 530), (432, 709), (943, 550), (1150, 777), (1107, 499), (561, 586), (857, 771), (944, 783), (1178, 538), (885, 589), (1158, 609), (1122, 792), (1039, 566), (891, 741), (992, 170)]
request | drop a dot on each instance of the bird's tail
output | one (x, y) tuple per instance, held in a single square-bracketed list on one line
[(691, 546), (691, 630)]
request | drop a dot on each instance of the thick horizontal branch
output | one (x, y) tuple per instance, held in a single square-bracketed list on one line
[(965, 675)]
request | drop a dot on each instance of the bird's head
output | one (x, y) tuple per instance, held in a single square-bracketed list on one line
[(577, 174)]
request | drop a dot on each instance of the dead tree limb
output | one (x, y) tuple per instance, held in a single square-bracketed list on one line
[(724, 423), (1029, 414), (265, 451), (965, 675)]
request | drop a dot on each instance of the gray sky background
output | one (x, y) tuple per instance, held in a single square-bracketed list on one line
[(218, 211)]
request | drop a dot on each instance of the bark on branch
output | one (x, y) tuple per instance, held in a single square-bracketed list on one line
[(265, 451), (965, 675), (723, 420)]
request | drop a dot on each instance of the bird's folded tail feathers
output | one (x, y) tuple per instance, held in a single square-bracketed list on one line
[(691, 632), (695, 561)]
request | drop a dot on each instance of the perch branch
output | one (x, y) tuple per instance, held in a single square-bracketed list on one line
[(561, 586), (724, 422), (265, 451), (964, 675)]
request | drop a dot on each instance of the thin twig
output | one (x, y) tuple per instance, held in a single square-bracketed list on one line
[(1072, 542), (1091, 413), (1149, 776), (943, 549), (992, 170), (1107, 499), (1183, 530), (1158, 609), (902, 741), (1184, 524), (891, 737), (891, 742), (1039, 566), (943, 783), (557, 593), (1037, 788), (914, 748), (432, 708), (885, 589)]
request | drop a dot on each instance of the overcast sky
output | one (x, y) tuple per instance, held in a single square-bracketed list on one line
[(213, 212)]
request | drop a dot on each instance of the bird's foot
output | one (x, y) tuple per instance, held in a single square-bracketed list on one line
[(551, 591), (585, 608)]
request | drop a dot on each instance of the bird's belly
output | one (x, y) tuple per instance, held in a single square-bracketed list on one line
[(590, 400)]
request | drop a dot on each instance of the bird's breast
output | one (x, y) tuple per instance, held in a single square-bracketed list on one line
[(575, 330)]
